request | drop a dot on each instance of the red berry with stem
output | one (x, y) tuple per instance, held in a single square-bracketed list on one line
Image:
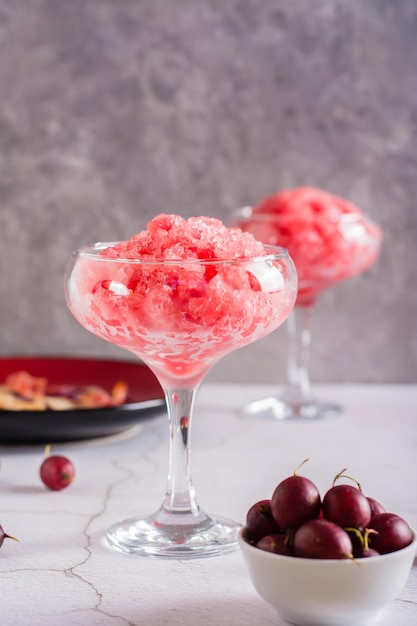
[(295, 500), (322, 539), (56, 472), (346, 505)]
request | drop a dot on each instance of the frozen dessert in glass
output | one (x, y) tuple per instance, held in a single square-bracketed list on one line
[(329, 240), (180, 295)]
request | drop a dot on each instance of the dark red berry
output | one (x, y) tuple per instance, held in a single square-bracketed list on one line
[(259, 520), (278, 544), (364, 553), (376, 507), (322, 539), (57, 472), (294, 501), (346, 506), (391, 533)]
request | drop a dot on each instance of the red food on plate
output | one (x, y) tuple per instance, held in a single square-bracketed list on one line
[(22, 391)]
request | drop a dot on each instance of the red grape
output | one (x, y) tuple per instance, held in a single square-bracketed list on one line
[(277, 543), (322, 539), (259, 520), (346, 506), (363, 553), (295, 500), (57, 472), (392, 533), (376, 507)]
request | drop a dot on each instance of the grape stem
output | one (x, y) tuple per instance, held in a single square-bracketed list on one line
[(360, 535), (300, 466), (363, 536), (342, 475)]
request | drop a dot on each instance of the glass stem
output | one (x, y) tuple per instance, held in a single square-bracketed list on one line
[(180, 494), (299, 340)]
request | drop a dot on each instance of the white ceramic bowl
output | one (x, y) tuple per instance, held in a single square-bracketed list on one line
[(315, 592)]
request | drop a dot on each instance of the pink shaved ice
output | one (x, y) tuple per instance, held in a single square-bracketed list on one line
[(181, 293), (328, 238), (173, 237)]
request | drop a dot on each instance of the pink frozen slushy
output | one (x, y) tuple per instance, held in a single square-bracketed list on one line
[(181, 294), (328, 238)]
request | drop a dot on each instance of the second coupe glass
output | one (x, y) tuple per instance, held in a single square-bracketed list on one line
[(327, 246)]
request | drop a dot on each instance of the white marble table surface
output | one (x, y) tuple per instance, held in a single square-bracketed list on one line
[(60, 572)]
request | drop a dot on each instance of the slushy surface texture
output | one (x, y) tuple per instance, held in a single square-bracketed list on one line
[(181, 293), (328, 238)]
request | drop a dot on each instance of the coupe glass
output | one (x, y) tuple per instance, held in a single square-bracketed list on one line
[(326, 249), (194, 313)]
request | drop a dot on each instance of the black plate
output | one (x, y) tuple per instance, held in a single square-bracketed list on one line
[(145, 399)]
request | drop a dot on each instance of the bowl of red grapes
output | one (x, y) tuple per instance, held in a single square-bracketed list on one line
[(326, 559)]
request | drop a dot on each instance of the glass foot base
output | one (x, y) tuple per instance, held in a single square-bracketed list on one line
[(281, 409), (187, 539)]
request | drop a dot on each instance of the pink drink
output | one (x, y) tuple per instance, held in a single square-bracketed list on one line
[(328, 238), (181, 294)]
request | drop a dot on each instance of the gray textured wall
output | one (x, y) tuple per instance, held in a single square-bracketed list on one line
[(114, 110)]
